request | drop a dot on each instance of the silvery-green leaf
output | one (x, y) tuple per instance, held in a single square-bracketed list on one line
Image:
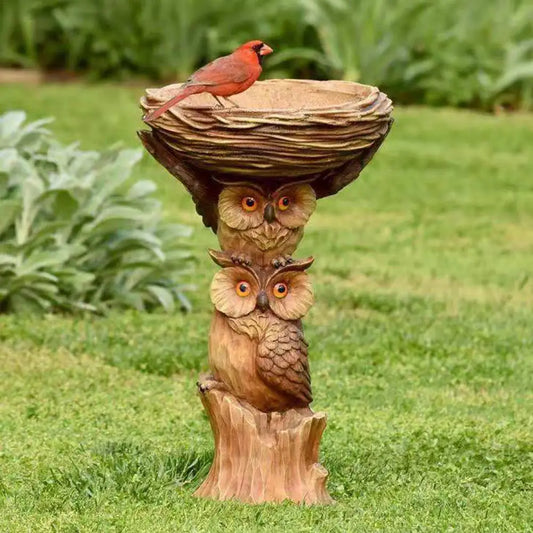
[(6, 259), (70, 240), (10, 122), (141, 188), (8, 157), (9, 209), (164, 296), (21, 171), (43, 259), (65, 205)]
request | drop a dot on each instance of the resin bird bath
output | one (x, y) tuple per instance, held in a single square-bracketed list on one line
[(255, 172)]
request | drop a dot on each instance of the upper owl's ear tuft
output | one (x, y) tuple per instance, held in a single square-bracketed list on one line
[(222, 259)]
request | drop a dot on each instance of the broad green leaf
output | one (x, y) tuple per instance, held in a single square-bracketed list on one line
[(69, 240), (121, 212), (8, 158), (515, 74), (174, 231), (10, 122), (142, 188), (6, 259), (9, 209), (164, 296), (43, 259), (65, 205), (185, 303)]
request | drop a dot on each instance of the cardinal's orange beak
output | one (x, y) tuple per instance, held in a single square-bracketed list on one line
[(265, 50)]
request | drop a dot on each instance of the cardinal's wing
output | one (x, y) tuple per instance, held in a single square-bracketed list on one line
[(221, 71)]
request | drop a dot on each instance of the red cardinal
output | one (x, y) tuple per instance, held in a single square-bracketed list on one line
[(224, 76)]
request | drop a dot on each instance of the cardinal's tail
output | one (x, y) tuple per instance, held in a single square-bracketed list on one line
[(183, 93)]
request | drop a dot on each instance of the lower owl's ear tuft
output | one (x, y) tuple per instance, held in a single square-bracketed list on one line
[(222, 259)]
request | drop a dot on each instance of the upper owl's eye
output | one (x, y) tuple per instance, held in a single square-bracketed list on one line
[(249, 203), (283, 203), (280, 290), (242, 288)]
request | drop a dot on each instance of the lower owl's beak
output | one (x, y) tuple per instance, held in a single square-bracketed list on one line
[(262, 301), (269, 213)]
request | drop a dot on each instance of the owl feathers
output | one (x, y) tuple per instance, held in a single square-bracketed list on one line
[(261, 307), (281, 358)]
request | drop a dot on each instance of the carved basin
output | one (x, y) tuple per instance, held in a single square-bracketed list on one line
[(283, 129)]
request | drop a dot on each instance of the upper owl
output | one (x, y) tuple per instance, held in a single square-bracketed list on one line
[(205, 188), (260, 226)]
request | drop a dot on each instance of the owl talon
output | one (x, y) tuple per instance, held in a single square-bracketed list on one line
[(241, 260), (282, 261), (206, 384)]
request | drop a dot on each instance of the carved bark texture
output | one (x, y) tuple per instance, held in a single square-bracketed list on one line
[(255, 172), (282, 128), (264, 457)]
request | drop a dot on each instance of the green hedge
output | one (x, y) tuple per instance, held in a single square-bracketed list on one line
[(445, 52)]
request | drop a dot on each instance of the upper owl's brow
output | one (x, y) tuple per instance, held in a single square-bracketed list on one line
[(291, 185), (255, 187), (247, 184)]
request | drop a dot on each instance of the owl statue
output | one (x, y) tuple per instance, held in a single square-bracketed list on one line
[(257, 350), (261, 223), (263, 227)]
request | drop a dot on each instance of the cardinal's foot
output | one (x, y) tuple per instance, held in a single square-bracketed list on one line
[(241, 259), (282, 261), (206, 383), (232, 102), (220, 103)]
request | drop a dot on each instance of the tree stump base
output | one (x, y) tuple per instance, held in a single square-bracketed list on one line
[(264, 457)]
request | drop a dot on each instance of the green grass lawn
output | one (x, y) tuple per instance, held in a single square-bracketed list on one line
[(421, 350)]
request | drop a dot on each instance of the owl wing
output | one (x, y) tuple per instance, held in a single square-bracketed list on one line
[(282, 361), (203, 190), (336, 179)]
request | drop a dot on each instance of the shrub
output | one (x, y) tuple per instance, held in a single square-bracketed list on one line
[(448, 52), (477, 53), (70, 240)]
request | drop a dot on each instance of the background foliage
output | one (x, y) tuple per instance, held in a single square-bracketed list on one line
[(451, 52), (420, 350), (70, 239)]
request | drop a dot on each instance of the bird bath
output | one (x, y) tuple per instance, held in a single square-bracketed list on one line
[(255, 172)]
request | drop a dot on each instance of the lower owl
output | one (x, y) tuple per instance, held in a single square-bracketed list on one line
[(257, 350)]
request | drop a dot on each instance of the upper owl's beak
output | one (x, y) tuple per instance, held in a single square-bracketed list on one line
[(262, 301), (269, 213)]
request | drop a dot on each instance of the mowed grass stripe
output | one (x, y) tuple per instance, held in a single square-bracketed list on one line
[(421, 349)]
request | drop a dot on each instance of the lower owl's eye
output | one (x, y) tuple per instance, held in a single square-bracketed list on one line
[(283, 203), (280, 290), (249, 203), (242, 288)]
